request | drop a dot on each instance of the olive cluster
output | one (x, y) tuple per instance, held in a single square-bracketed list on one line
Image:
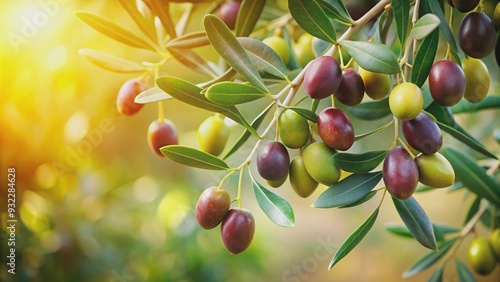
[(484, 253)]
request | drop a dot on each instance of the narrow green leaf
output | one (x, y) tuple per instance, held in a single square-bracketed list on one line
[(467, 140), (248, 16), (359, 163), (429, 259), (464, 106), (189, 41), (371, 110), (369, 133), (416, 220), (464, 273), (401, 10), (264, 57), (425, 26), (305, 113), (145, 26), (334, 13), (473, 176), (349, 190), (437, 275), (194, 158), (378, 30), (424, 59), (491, 215), (365, 199), (228, 47), (192, 60), (473, 209), (111, 62), (354, 239), (320, 46), (152, 95), (311, 17), (162, 10), (444, 27), (229, 93), (372, 56), (277, 209), (399, 230), (113, 30), (246, 134)]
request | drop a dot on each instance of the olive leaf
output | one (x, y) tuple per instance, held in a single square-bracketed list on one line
[(276, 208), (194, 158), (351, 189), (228, 47), (371, 110), (437, 275), (416, 221), (353, 240), (192, 60), (145, 26), (151, 95), (111, 62), (444, 27), (248, 16), (464, 273), (232, 93), (464, 106), (189, 41), (305, 113), (372, 56), (337, 11), (365, 199), (429, 258), (311, 17), (359, 163), (162, 10), (264, 57), (425, 26), (424, 59), (401, 10)]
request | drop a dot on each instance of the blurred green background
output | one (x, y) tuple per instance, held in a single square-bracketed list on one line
[(94, 204)]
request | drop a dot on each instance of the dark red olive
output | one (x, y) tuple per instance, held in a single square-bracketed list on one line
[(323, 77), (335, 129), (228, 12), (400, 173), (211, 207), (162, 134), (351, 89), (273, 161), (476, 35), (238, 228), (446, 83), (125, 100), (423, 134)]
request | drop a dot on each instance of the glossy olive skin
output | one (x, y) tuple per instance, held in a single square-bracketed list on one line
[(476, 35), (406, 100), (125, 100), (495, 243), (481, 256), (319, 163), (464, 6), (277, 183), (273, 161), (213, 134), (446, 83), (303, 49), (423, 134), (280, 46), (238, 228), (302, 183), (435, 170), (400, 173), (496, 16), (212, 206), (228, 12), (162, 134), (377, 85), (351, 89), (323, 77), (335, 129), (293, 129), (477, 80)]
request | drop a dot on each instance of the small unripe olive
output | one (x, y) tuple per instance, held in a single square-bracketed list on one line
[(481, 256), (213, 134), (211, 207), (303, 49), (406, 100), (319, 163), (302, 183), (435, 170), (125, 100), (161, 134), (495, 243), (377, 85), (280, 46), (477, 80), (293, 129)]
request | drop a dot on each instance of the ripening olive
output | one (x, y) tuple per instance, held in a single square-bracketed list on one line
[(406, 100), (162, 134), (481, 256), (319, 163), (323, 77), (302, 183), (293, 129), (400, 173), (435, 170), (446, 83), (423, 134), (477, 80), (211, 207), (335, 129), (351, 89), (476, 35), (228, 12), (273, 161), (276, 183), (213, 134), (280, 46), (238, 228), (303, 49), (125, 100), (496, 16), (465, 6), (495, 243), (377, 85)]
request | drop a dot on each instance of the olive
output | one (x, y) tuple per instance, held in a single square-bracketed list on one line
[(162, 133), (273, 161), (435, 170), (423, 134), (302, 183), (477, 80), (406, 100), (481, 256), (280, 46), (351, 89), (447, 83), (319, 163), (476, 35), (335, 129), (213, 134), (377, 85), (293, 129), (322, 77), (400, 173), (211, 207), (125, 100), (238, 228)]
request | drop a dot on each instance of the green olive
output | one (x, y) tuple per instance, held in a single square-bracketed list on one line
[(319, 163), (280, 46), (377, 85), (303, 49), (481, 257), (302, 183), (213, 134), (477, 80), (495, 243), (496, 16), (294, 129), (435, 170), (406, 101)]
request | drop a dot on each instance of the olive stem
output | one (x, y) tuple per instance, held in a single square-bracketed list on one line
[(225, 178), (240, 183), (161, 117)]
